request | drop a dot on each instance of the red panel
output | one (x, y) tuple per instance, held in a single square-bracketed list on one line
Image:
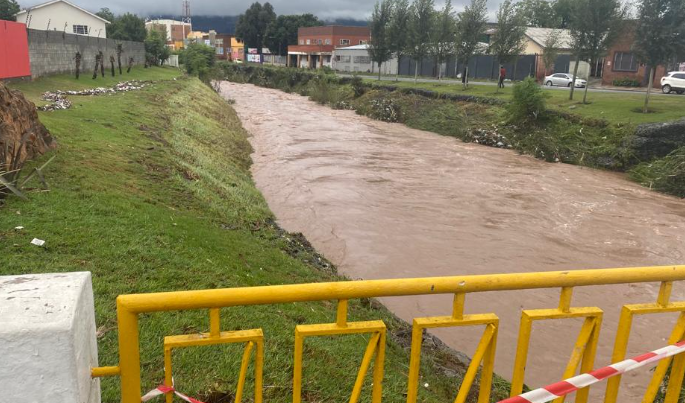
[(14, 50)]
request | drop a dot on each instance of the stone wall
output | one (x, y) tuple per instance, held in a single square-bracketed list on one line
[(53, 52)]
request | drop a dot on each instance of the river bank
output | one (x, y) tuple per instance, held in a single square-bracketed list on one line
[(151, 191), (480, 118)]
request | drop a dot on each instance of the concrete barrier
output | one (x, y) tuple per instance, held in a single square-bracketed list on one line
[(47, 339)]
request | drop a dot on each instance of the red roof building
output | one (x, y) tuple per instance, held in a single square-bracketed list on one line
[(315, 45)]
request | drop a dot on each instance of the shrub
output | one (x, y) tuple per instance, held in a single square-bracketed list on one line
[(527, 103), (198, 59), (666, 174), (626, 82)]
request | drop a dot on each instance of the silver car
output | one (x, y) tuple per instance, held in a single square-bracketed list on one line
[(564, 80)]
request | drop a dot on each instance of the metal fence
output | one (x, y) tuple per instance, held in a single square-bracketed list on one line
[(131, 307)]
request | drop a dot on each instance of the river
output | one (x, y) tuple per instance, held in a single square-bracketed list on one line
[(381, 200)]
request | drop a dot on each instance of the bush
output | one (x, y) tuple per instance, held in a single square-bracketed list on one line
[(156, 50), (666, 174), (198, 59), (527, 104), (626, 82)]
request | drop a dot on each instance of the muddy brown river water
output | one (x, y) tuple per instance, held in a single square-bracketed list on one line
[(381, 200)]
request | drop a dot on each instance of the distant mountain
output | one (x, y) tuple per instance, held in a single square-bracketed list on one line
[(226, 24)]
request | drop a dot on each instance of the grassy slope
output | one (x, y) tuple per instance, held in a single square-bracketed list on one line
[(614, 107), (150, 191)]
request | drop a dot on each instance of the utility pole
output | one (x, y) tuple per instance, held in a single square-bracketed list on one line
[(186, 20)]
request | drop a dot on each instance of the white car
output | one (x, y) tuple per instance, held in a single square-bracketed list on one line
[(564, 80), (673, 81)]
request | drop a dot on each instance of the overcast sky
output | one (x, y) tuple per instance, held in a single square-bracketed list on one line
[(326, 9)]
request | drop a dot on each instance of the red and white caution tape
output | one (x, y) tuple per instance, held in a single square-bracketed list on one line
[(163, 389), (555, 390)]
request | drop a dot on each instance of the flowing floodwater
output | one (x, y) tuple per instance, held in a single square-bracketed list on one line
[(381, 200)]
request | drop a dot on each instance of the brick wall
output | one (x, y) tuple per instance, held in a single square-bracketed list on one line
[(624, 43), (53, 52)]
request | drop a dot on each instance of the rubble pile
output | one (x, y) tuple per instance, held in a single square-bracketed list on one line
[(489, 136), (58, 100)]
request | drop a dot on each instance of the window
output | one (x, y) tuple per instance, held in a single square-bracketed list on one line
[(560, 76), (342, 59), (320, 42), (81, 29), (328, 41), (362, 59), (362, 42), (624, 61), (344, 41), (301, 41), (309, 42), (679, 76)]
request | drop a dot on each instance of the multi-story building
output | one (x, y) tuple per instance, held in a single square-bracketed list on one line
[(315, 45), (176, 31)]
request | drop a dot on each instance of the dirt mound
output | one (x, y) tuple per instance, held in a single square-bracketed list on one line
[(19, 120)]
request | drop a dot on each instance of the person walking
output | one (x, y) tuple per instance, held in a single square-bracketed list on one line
[(502, 74)]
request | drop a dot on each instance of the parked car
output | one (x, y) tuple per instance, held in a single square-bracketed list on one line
[(673, 81), (564, 80)]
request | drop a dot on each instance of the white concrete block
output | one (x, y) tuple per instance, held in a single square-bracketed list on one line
[(47, 339)]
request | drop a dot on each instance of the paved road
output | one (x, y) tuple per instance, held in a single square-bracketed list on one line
[(490, 83)]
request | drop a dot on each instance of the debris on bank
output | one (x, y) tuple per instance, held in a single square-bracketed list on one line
[(58, 100)]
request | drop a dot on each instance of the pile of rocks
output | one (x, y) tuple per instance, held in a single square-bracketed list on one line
[(489, 136), (58, 100)]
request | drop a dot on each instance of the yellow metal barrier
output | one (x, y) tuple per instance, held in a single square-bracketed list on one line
[(130, 306)]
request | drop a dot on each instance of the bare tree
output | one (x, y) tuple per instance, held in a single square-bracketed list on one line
[(398, 30), (379, 46), (120, 50), (442, 41), (420, 32), (470, 27), (660, 35), (508, 39)]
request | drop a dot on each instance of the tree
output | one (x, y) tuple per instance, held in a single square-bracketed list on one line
[(252, 25), (397, 30), (537, 13), (282, 31), (659, 35), (8, 10), (155, 47), (507, 41), (379, 46), (107, 14), (602, 24), (562, 12), (579, 37), (470, 27), (442, 41), (127, 27), (420, 32), (552, 42)]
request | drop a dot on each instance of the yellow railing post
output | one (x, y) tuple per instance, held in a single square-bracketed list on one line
[(129, 354)]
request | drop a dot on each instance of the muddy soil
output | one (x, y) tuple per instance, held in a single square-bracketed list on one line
[(381, 200)]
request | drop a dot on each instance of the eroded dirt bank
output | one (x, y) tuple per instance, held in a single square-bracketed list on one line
[(381, 200)]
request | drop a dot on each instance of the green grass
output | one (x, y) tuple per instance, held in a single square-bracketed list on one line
[(613, 107), (151, 191)]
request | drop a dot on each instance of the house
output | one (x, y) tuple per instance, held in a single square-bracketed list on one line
[(237, 49), (176, 31), (222, 44), (61, 15), (621, 62), (315, 45), (356, 59)]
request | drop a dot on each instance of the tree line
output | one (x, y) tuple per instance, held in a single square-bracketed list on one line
[(259, 27), (419, 31)]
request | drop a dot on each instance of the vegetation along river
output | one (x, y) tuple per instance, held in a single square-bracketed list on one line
[(381, 200)]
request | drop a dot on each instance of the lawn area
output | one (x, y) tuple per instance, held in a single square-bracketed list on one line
[(151, 191), (623, 108)]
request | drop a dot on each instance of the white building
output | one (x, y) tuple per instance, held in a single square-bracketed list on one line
[(356, 59), (61, 15)]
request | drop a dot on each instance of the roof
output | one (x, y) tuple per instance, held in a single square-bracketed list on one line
[(65, 2), (539, 36)]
